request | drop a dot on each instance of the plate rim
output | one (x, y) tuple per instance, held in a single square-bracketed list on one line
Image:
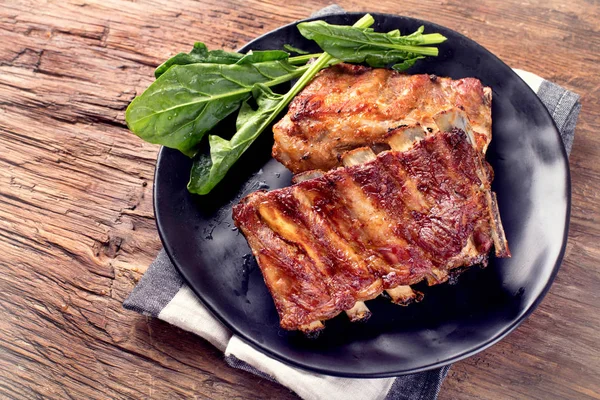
[(399, 372)]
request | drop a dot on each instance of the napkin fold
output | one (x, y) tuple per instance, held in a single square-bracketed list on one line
[(162, 293)]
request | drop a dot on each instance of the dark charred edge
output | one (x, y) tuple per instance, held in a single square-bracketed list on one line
[(487, 96), (312, 335), (312, 330), (363, 319), (500, 242), (410, 300), (418, 298), (414, 297), (456, 273)]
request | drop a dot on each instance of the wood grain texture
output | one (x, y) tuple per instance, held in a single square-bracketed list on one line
[(76, 221)]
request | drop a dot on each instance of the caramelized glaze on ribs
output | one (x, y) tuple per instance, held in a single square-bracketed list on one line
[(349, 106), (345, 236)]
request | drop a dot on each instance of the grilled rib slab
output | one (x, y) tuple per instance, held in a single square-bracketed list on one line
[(349, 106), (345, 236)]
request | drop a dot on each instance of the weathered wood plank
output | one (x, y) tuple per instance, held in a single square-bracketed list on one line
[(76, 222)]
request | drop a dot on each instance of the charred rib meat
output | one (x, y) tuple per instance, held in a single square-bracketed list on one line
[(349, 106), (383, 222)]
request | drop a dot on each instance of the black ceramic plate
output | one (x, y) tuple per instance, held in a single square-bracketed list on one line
[(453, 321)]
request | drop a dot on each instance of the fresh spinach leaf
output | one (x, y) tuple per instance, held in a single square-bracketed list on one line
[(199, 54), (377, 49), (188, 100), (406, 64), (263, 56)]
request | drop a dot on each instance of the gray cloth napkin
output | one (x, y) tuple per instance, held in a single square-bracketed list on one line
[(162, 293)]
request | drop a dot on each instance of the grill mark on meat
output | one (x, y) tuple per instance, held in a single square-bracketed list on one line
[(281, 215), (414, 222), (299, 293), (345, 278), (343, 221), (429, 234), (350, 267), (446, 224), (380, 238), (386, 193), (450, 155)]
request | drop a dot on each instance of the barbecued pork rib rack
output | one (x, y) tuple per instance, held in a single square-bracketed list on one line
[(382, 223), (350, 106)]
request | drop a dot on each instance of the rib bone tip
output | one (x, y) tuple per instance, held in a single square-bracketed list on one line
[(312, 329), (359, 312), (404, 295)]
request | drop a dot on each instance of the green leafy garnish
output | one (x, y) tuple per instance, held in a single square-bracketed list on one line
[(199, 54), (189, 100), (194, 91), (375, 48), (406, 64), (253, 57)]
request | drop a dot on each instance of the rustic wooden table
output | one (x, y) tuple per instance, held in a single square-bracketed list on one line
[(77, 228)]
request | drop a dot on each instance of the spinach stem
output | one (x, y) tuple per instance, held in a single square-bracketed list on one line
[(303, 59), (433, 38), (284, 78)]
